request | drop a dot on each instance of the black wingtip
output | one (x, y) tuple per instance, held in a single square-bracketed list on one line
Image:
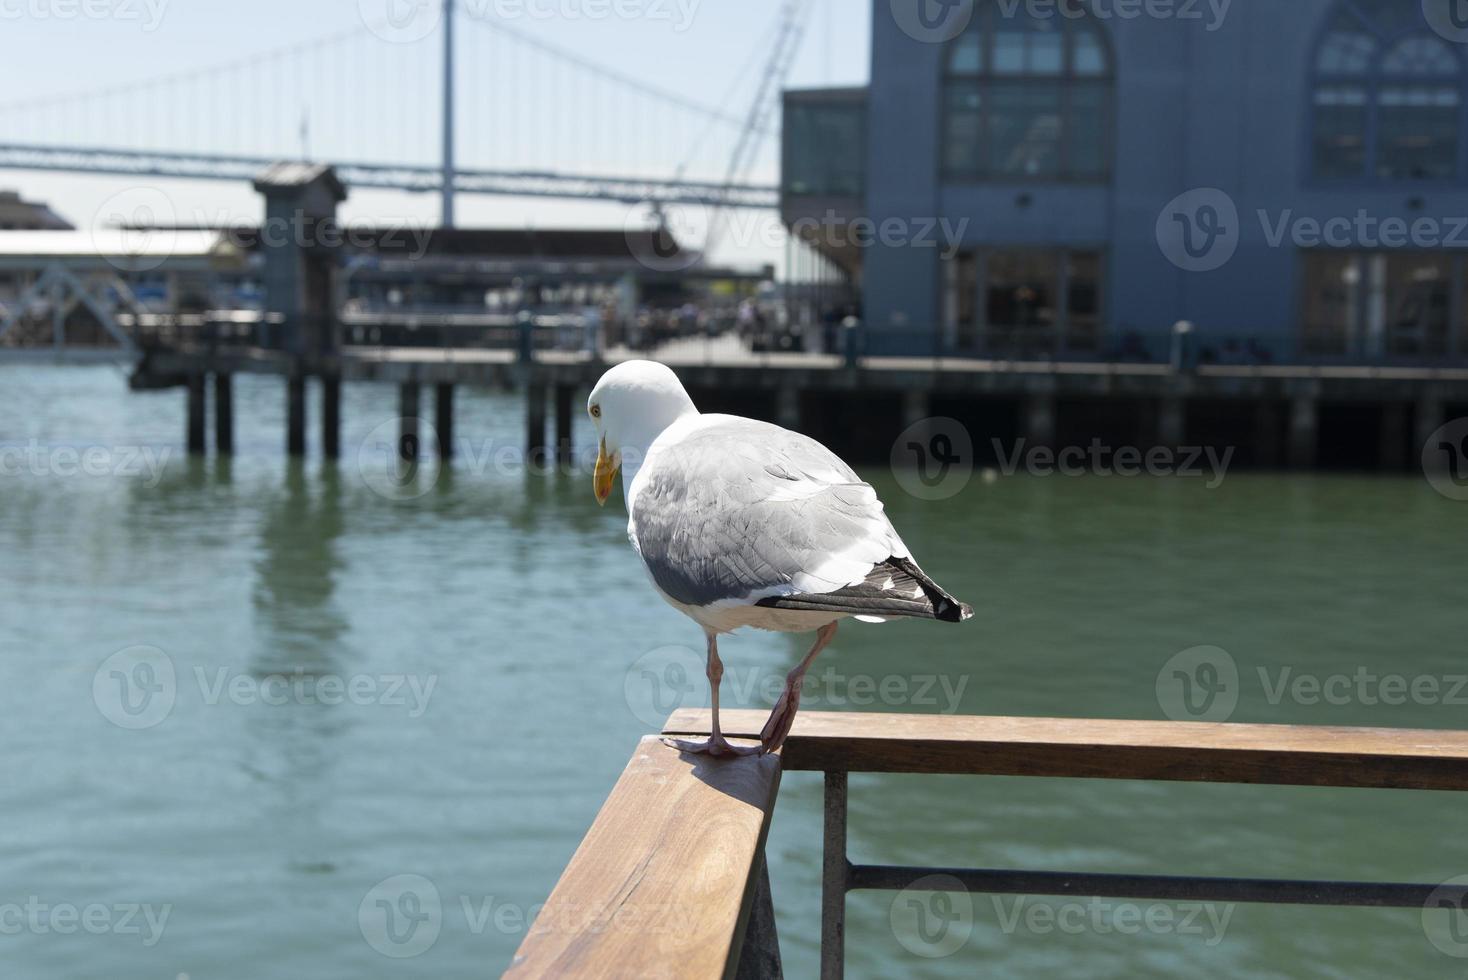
[(952, 611)]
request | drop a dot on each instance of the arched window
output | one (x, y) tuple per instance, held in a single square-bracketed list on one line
[(1388, 95), (1027, 97)]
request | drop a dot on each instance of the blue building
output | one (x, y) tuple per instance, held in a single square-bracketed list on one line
[(1073, 177)]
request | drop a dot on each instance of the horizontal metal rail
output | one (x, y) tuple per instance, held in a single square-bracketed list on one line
[(1158, 888)]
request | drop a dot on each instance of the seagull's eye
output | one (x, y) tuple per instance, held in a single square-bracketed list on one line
[(596, 411)]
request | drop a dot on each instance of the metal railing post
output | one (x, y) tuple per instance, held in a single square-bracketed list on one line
[(836, 870)]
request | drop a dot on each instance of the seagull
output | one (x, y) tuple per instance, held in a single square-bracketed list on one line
[(741, 523)]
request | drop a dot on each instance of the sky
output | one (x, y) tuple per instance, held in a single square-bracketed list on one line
[(359, 80)]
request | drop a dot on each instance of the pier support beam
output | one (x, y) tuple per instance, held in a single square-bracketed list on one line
[(1428, 419), (331, 417), (1037, 419), (224, 414), (409, 405), (1391, 454), (565, 406), (534, 422), (295, 415), (1304, 431), (787, 407), (1171, 421), (916, 406), (443, 420), (1266, 434), (196, 415)]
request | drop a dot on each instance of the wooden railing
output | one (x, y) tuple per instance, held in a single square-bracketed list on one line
[(670, 881)]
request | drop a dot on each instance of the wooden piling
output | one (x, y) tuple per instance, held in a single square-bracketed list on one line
[(1039, 419), (1171, 421), (443, 420), (1266, 434), (196, 414), (331, 416), (534, 420), (1391, 452), (295, 414), (565, 407), (1428, 417), (1304, 431), (787, 407), (223, 413), (409, 402)]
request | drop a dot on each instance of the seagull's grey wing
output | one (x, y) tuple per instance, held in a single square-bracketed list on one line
[(741, 510)]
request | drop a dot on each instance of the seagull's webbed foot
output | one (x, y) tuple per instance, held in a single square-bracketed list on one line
[(715, 746), (772, 736)]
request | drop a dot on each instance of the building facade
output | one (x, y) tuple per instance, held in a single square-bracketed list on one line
[(1075, 177)]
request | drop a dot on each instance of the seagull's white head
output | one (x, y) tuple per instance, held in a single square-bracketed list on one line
[(631, 406)]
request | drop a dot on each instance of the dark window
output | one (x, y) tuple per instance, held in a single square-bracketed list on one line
[(1024, 301), (1370, 304), (1028, 96), (1387, 97), (824, 147)]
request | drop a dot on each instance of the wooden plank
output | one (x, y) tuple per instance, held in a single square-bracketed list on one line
[(1288, 755), (662, 884)]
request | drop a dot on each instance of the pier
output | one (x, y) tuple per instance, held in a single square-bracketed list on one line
[(1276, 417), (671, 878), (1302, 415)]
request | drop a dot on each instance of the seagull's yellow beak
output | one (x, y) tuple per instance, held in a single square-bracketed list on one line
[(606, 471)]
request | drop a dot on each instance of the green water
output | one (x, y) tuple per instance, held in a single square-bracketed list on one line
[(504, 652)]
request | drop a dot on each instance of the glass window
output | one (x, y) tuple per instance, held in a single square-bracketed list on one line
[(1387, 100), (824, 148), (1088, 50), (1346, 52), (1369, 304), (1421, 56), (1417, 302), (963, 139), (1332, 303), (1089, 124), (1340, 131), (1020, 298), (966, 56), (1024, 130), (1024, 302), (1083, 301), (1027, 97), (961, 301), (1417, 133)]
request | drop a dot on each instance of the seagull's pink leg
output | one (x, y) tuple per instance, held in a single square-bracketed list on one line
[(715, 745), (775, 730)]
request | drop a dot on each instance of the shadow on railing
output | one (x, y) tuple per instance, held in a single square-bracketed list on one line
[(670, 880)]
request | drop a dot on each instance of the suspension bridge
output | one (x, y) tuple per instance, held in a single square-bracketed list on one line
[(367, 105)]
